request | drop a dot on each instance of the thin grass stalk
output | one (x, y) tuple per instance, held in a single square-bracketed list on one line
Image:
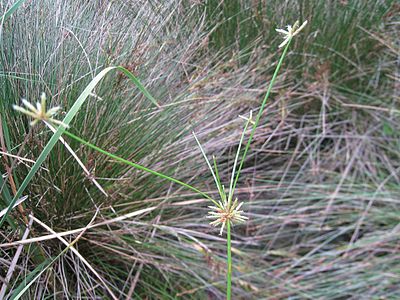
[(229, 261), (234, 182), (253, 130)]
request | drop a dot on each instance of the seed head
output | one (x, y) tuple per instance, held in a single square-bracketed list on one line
[(39, 112), (290, 32), (227, 212)]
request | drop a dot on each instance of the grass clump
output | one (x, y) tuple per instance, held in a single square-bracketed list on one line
[(319, 179)]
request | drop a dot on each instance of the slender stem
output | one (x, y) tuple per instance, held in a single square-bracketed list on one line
[(234, 181), (229, 257), (253, 130), (137, 166)]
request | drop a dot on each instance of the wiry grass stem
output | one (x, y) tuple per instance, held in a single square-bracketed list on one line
[(229, 261), (253, 130), (234, 181)]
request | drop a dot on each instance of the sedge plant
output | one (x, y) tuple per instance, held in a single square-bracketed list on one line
[(225, 212), (228, 212)]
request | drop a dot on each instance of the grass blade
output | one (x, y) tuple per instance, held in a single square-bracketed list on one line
[(31, 278), (209, 165), (139, 167), (7, 198), (13, 8), (231, 187), (220, 186)]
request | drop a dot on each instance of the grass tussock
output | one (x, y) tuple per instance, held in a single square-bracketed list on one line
[(320, 182)]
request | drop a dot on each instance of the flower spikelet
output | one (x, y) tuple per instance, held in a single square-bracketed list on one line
[(290, 32), (39, 112), (227, 212)]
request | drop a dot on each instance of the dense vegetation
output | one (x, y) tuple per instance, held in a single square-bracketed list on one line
[(321, 182)]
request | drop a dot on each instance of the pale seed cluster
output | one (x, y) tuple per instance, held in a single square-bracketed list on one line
[(39, 112), (290, 32), (228, 212)]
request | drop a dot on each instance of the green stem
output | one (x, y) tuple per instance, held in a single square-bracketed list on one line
[(253, 130), (233, 183), (229, 261), (139, 167)]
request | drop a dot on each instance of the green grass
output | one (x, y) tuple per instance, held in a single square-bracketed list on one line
[(320, 182)]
